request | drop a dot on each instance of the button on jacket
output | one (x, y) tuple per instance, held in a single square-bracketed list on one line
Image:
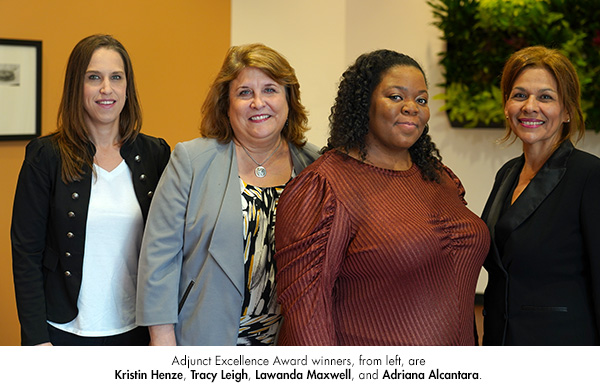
[(48, 229)]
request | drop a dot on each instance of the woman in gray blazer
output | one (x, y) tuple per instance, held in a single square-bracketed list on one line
[(207, 274)]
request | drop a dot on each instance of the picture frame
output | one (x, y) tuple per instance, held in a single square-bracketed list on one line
[(20, 89)]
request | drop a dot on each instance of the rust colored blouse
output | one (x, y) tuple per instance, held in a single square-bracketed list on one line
[(370, 256)]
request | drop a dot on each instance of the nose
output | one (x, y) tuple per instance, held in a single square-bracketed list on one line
[(257, 101), (530, 105), (105, 88), (410, 107)]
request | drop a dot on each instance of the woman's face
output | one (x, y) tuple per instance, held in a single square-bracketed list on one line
[(534, 109), (104, 89), (258, 107), (399, 111)]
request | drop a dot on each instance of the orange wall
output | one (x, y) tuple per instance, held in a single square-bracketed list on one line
[(176, 49)]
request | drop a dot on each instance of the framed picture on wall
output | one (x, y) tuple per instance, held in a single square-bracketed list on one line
[(20, 89)]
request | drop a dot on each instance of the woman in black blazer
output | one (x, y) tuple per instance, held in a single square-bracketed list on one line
[(82, 198), (543, 213)]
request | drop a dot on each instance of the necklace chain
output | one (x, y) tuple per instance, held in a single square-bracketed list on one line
[(260, 170)]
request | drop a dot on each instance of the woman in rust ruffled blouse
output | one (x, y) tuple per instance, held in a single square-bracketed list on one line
[(375, 245)]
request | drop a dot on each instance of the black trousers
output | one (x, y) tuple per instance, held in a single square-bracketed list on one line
[(136, 337)]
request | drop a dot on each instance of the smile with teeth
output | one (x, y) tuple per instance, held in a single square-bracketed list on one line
[(260, 117), (107, 102), (531, 123)]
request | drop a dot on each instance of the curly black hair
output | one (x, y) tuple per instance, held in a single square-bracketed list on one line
[(349, 118)]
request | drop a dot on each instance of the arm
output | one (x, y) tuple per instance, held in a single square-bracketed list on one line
[(161, 253), (164, 155), (312, 235), (162, 335), (590, 228), (459, 186), (28, 237)]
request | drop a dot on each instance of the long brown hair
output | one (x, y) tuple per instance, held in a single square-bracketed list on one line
[(72, 136), (567, 82), (215, 123)]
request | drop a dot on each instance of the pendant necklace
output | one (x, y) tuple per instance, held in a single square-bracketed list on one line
[(260, 170)]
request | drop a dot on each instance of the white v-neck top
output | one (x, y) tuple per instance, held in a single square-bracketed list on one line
[(114, 231)]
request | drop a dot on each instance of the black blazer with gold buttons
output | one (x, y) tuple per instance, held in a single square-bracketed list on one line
[(544, 260), (48, 229)]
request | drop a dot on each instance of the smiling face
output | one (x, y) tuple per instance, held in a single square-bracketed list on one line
[(104, 89), (534, 109), (398, 113), (258, 107)]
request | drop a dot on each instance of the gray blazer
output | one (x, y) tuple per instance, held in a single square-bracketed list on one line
[(192, 251)]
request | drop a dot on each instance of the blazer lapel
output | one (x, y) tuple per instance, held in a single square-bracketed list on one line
[(500, 197), (492, 216), (227, 234), (226, 245), (538, 189)]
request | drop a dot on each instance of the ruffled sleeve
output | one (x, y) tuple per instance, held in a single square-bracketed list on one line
[(311, 235), (459, 186)]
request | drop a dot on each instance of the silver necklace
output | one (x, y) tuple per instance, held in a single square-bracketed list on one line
[(260, 170)]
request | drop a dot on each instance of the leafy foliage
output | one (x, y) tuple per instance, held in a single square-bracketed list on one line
[(480, 35)]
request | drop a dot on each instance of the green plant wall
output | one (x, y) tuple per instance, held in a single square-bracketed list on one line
[(480, 35)]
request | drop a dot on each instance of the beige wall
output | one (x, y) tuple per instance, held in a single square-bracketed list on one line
[(311, 34), (320, 38), (176, 48)]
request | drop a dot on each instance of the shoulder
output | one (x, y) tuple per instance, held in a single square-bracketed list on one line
[(303, 156), (147, 150), (325, 169), (42, 145), (202, 152), (156, 148), (151, 142), (323, 164), (456, 183), (312, 182), (585, 167), (42, 151), (202, 146), (450, 173), (511, 163), (517, 161), (584, 159), (310, 150)]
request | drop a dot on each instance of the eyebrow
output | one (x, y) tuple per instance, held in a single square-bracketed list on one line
[(264, 85), (542, 90), (244, 86), (406, 89), (112, 73)]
